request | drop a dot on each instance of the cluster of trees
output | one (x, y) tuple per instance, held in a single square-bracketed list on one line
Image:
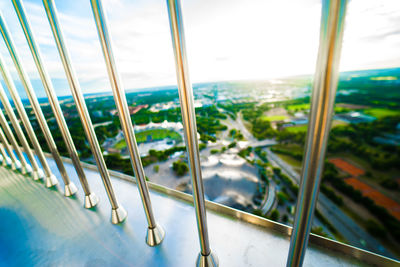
[(325, 221), (331, 195), (208, 123), (383, 93), (160, 155), (262, 129), (233, 109), (118, 163), (236, 134), (292, 186), (180, 167), (285, 136), (379, 212), (245, 152), (359, 139)]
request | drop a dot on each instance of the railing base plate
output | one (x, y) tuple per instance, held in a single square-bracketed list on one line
[(70, 189), (118, 215), (210, 260), (155, 236), (91, 201), (6, 162), (51, 181)]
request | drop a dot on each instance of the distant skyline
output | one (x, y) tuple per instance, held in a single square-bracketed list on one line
[(226, 40)]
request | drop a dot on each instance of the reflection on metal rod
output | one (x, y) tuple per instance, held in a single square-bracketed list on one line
[(37, 172), (206, 257), (155, 234), (90, 198), (50, 179), (7, 130), (14, 121), (7, 160), (322, 101), (118, 213)]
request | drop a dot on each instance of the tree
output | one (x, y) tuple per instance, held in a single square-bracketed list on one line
[(180, 167), (274, 215)]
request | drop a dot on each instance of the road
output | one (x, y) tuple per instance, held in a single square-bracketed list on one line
[(345, 225), (269, 200)]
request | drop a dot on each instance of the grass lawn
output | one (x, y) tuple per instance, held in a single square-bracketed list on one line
[(302, 107), (156, 134), (274, 118), (298, 107), (303, 128), (381, 112), (296, 164), (290, 147), (297, 129)]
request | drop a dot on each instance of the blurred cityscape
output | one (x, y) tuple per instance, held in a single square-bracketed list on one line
[(251, 137)]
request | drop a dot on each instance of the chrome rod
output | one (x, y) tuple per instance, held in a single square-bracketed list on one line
[(322, 102), (157, 233), (118, 213), (6, 161), (50, 179), (11, 138), (90, 198), (20, 134), (190, 129), (9, 159)]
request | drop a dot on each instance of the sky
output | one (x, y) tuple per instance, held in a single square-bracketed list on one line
[(226, 40)]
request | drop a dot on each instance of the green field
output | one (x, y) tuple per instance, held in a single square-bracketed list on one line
[(298, 107), (381, 112), (274, 118), (291, 161), (290, 147), (306, 107), (297, 129), (156, 134)]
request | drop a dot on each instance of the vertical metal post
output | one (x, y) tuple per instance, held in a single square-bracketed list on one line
[(322, 101), (14, 121), (50, 179), (118, 213), (90, 198), (155, 233), (4, 124), (7, 160), (206, 257)]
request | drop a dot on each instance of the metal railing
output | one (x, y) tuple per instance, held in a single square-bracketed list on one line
[(324, 87)]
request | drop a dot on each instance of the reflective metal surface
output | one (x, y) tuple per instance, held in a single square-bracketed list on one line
[(48, 86), (5, 159), (3, 153), (126, 124), (322, 101), (117, 211), (189, 124), (12, 160), (34, 236), (155, 235), (207, 261), (50, 179), (8, 132), (37, 172), (14, 121)]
